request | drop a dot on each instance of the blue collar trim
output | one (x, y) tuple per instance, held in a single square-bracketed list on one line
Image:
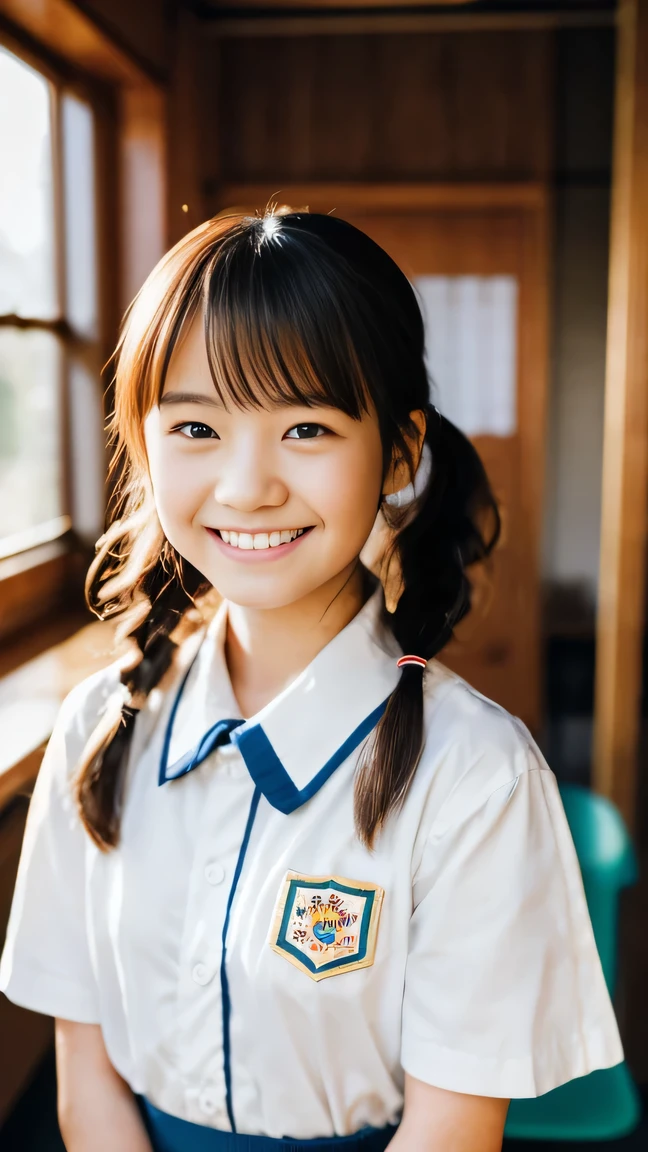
[(215, 736), (271, 777), (262, 762)]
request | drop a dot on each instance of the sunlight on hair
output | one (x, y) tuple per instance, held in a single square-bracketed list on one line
[(271, 227)]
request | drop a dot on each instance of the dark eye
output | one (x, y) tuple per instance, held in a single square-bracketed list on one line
[(197, 431), (305, 432)]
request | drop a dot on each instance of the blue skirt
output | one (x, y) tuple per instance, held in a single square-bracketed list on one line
[(170, 1134)]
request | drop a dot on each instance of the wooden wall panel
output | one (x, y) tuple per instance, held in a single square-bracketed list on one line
[(144, 171), (383, 107), (185, 125)]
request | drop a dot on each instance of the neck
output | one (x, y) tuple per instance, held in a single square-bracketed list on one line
[(267, 648)]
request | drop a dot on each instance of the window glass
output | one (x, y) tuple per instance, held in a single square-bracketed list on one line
[(31, 479), (80, 225), (27, 271)]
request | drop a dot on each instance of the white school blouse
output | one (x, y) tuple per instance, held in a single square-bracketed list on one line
[(252, 965)]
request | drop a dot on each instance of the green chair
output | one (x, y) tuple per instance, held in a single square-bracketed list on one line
[(604, 1105)]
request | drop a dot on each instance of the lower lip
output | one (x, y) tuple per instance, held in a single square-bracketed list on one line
[(256, 555)]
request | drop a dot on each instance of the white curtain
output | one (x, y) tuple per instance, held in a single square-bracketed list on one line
[(471, 349)]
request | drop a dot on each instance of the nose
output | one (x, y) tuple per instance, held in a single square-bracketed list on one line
[(248, 479)]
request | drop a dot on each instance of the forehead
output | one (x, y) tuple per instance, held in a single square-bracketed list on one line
[(189, 363), (239, 366)]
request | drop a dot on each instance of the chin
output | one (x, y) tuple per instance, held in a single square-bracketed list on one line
[(263, 600), (258, 589), (266, 588)]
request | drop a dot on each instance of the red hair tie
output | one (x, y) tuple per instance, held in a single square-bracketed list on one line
[(417, 660)]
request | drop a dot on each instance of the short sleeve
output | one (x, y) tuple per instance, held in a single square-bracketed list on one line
[(504, 993), (46, 963)]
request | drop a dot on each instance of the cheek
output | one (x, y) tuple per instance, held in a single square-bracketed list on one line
[(172, 498), (175, 480), (348, 496)]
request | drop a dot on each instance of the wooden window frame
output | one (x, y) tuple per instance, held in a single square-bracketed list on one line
[(130, 108), (42, 576)]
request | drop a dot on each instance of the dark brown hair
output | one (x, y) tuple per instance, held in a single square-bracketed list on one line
[(298, 308)]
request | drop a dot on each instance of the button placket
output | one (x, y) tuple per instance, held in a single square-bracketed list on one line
[(220, 825), (214, 872), (202, 974), (208, 1101), (230, 760)]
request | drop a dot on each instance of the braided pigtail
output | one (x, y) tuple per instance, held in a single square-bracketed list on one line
[(157, 611), (453, 524)]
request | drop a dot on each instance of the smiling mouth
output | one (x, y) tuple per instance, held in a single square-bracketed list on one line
[(260, 541)]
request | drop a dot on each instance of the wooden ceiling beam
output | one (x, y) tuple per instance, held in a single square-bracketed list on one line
[(60, 27), (319, 21)]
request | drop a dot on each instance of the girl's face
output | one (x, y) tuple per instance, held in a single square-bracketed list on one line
[(268, 504)]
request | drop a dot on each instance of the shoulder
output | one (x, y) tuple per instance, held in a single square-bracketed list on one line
[(86, 701), (78, 718), (83, 708), (473, 747)]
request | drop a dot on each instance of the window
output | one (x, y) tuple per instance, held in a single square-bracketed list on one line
[(51, 444)]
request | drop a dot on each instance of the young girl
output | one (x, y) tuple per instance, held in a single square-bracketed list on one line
[(287, 882)]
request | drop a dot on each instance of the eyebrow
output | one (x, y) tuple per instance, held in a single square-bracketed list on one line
[(189, 398)]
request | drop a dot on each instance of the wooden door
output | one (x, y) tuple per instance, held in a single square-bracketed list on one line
[(438, 231)]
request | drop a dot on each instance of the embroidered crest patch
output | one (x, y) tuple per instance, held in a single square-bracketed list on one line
[(326, 925)]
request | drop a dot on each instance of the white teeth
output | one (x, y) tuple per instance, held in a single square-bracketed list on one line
[(260, 540)]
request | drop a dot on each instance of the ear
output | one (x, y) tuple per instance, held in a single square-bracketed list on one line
[(399, 475)]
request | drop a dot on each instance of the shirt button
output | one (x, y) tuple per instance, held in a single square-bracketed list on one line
[(208, 1101), (202, 974), (214, 872)]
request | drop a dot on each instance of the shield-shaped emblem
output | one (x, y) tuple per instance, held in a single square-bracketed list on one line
[(326, 925)]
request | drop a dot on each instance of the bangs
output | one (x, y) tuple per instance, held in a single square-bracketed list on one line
[(275, 329)]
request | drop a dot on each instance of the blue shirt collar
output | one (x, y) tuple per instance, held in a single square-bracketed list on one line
[(294, 744)]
